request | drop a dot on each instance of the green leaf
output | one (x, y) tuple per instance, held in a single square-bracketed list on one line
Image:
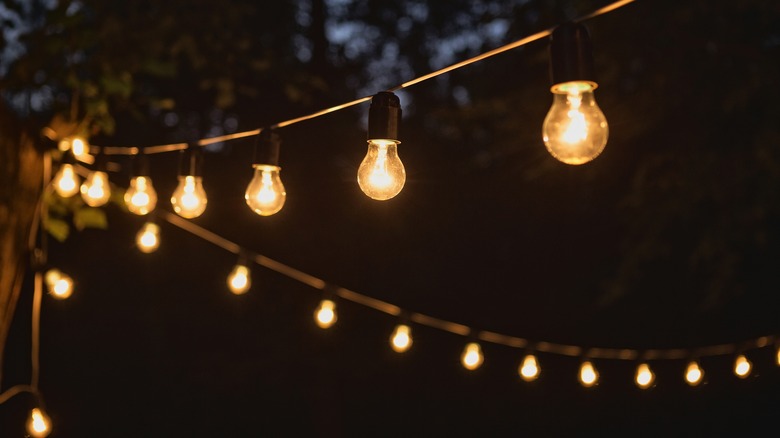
[(90, 217), (59, 229)]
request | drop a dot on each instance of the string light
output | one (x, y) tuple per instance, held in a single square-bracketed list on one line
[(401, 339), (189, 199), (140, 197), (694, 374), (148, 238), (265, 194), (60, 285), (742, 366), (381, 175), (472, 356), (66, 181), (79, 147), (239, 281), (96, 190), (778, 356), (588, 375), (644, 376), (325, 315), (38, 424), (529, 370)]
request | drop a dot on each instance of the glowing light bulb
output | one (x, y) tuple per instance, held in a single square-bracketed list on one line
[(325, 315), (381, 175), (529, 369), (79, 147), (588, 374), (401, 338), (742, 366), (778, 356), (575, 130), (66, 182), (96, 189), (265, 194), (60, 285), (693, 374), (239, 279), (189, 199), (148, 238), (39, 424), (644, 376), (140, 197), (472, 356)]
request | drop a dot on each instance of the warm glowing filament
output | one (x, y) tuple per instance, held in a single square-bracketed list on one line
[(575, 130), (644, 376), (325, 315), (96, 189), (742, 366), (239, 280), (140, 197), (472, 356), (38, 425), (79, 147), (381, 175), (693, 374), (66, 182), (401, 339), (189, 199), (529, 369), (588, 374), (148, 238), (60, 285)]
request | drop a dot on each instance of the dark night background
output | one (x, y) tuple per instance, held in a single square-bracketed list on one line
[(671, 238)]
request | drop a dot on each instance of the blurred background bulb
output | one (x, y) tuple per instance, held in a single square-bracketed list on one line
[(60, 285), (140, 197), (644, 376), (693, 374), (742, 366), (96, 189), (472, 356), (325, 315), (575, 130), (265, 194), (148, 238), (66, 182), (401, 338), (38, 425), (381, 175), (588, 374), (79, 147), (189, 199), (239, 279), (529, 369), (778, 356)]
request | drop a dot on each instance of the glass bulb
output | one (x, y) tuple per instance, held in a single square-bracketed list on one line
[(742, 366), (575, 130), (38, 425), (148, 238), (588, 374), (140, 197), (325, 315), (60, 285), (189, 199), (693, 374), (381, 175), (239, 280), (401, 339), (778, 356), (644, 376), (265, 194), (96, 189), (472, 356), (529, 369), (79, 147), (66, 182)]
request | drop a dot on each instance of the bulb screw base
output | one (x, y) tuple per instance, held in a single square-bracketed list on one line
[(267, 148), (571, 54), (384, 116)]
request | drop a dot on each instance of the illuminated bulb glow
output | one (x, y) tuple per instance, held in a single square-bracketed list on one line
[(529, 369), (325, 315), (693, 374), (472, 356), (96, 189), (575, 130), (644, 376), (66, 182), (60, 285), (381, 175), (140, 197), (778, 356), (401, 338), (265, 194), (79, 147), (239, 280), (148, 238), (189, 199), (38, 425), (742, 366), (588, 374)]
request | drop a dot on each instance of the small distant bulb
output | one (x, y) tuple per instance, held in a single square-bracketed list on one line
[(79, 147), (239, 280), (38, 425), (529, 369), (66, 182), (778, 356), (588, 374), (189, 199), (381, 175), (472, 356), (644, 376), (401, 339), (148, 238), (693, 374), (60, 285), (325, 315), (265, 194), (575, 130), (742, 366), (96, 189), (64, 144), (140, 197)]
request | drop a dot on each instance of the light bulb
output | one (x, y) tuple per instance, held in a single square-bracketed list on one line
[(778, 356), (472, 356), (644, 376), (693, 374), (575, 130), (381, 175), (60, 285), (239, 279), (189, 199), (38, 425), (401, 338), (140, 197), (325, 315), (148, 238), (265, 194), (529, 369), (96, 189), (79, 147), (742, 366), (588, 374), (66, 182)]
